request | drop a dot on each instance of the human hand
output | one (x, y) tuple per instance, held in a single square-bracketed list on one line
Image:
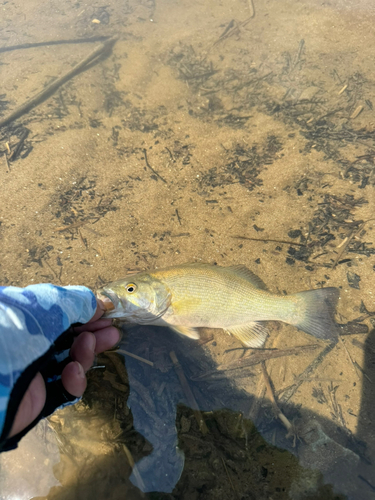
[(94, 337)]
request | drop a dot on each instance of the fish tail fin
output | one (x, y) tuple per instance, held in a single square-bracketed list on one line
[(316, 309)]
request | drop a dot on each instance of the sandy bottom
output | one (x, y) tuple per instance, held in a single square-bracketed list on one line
[(208, 134)]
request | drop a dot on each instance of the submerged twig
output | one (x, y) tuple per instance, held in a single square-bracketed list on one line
[(16, 151), (53, 272), (230, 480), (288, 392), (356, 112), (76, 225), (152, 169), (344, 245), (367, 482), (233, 28), (136, 473), (256, 358), (349, 357), (178, 217), (299, 53), (243, 348), (354, 327), (84, 241), (336, 407), (7, 162), (127, 353), (188, 393), (54, 42), (257, 402), (50, 89), (224, 34), (365, 347), (276, 409), (362, 371), (265, 240), (251, 8)]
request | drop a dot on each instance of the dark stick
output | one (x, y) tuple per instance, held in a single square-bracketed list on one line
[(53, 42), (229, 27), (346, 245), (200, 75), (178, 217), (152, 170), (264, 240), (256, 358), (251, 8), (170, 153), (367, 482), (7, 163), (50, 89), (299, 53), (278, 413), (291, 390), (16, 151), (188, 393), (243, 348)]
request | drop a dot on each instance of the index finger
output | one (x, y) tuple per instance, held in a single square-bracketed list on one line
[(94, 326), (100, 310)]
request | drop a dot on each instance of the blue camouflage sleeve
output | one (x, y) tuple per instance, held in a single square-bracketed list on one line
[(31, 321)]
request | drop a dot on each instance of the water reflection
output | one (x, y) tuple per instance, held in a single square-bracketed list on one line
[(320, 444), (28, 471), (100, 441)]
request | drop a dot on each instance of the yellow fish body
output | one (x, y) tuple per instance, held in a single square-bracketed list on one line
[(190, 296)]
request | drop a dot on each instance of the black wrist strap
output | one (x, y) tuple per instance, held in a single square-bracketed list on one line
[(50, 365)]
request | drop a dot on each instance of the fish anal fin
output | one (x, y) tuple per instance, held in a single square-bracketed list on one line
[(251, 334), (186, 331), (248, 275)]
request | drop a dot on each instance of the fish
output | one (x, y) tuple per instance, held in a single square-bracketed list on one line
[(191, 296)]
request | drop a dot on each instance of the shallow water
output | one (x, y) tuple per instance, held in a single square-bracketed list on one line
[(225, 132)]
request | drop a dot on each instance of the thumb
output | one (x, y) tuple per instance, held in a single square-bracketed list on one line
[(31, 405)]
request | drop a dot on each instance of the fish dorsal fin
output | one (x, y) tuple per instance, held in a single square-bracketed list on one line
[(251, 335), (248, 275), (186, 331)]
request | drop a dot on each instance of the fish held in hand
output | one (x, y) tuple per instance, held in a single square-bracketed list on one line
[(190, 296)]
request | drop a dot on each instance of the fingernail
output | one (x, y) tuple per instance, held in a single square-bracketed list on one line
[(120, 335), (78, 369)]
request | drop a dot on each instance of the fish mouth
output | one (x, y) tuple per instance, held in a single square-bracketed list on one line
[(108, 298)]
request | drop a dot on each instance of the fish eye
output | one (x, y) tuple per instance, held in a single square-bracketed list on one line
[(131, 287)]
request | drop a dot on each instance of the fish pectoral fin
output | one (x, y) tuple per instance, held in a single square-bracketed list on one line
[(251, 335), (186, 331)]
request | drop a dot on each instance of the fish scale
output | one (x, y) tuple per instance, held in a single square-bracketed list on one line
[(190, 296), (201, 292)]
